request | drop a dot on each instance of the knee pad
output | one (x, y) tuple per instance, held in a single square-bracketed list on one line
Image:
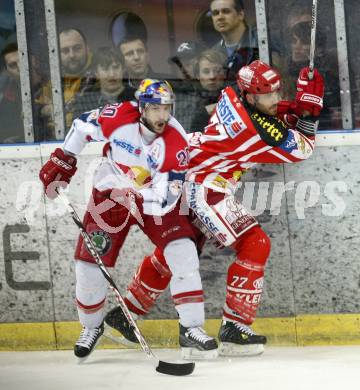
[(181, 257), (253, 247)]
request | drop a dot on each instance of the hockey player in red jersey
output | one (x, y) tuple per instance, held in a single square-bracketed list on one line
[(139, 182), (255, 127)]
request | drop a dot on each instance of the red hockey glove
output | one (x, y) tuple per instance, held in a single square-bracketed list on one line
[(310, 93), (288, 112), (57, 172)]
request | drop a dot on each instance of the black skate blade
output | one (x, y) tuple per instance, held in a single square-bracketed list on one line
[(178, 369)]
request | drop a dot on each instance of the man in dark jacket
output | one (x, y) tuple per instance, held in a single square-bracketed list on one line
[(109, 87), (239, 41), (137, 61)]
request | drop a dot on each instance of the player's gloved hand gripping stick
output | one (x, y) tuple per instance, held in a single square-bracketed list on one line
[(309, 86), (178, 369)]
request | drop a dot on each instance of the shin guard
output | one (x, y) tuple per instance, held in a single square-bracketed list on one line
[(151, 279), (246, 275), (91, 288), (185, 286)]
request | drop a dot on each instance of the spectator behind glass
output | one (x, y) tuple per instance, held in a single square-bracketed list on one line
[(211, 75), (185, 59), (298, 13), (325, 60), (12, 127), (239, 41), (109, 86), (76, 74), (279, 38), (185, 86), (136, 60)]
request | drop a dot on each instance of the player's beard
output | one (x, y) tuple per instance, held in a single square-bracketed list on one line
[(156, 127), (273, 110), (159, 127)]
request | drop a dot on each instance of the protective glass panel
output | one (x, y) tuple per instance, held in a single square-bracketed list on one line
[(39, 71), (94, 69), (157, 39), (352, 14), (11, 123), (289, 26), (204, 56)]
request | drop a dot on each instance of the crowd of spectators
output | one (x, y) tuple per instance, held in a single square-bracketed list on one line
[(112, 74)]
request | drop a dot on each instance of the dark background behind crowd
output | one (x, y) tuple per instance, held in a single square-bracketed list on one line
[(106, 48)]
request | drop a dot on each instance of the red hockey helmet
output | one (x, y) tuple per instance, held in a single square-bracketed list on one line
[(258, 78)]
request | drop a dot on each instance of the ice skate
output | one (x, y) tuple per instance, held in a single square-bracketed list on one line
[(196, 344), (237, 339), (87, 341), (115, 319)]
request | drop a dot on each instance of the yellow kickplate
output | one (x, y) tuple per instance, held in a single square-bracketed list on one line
[(324, 329), (27, 336), (279, 331), (67, 333), (328, 329)]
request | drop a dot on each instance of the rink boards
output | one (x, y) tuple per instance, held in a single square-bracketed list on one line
[(304, 330), (311, 293)]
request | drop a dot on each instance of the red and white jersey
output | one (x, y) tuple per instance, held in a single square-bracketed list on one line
[(154, 165), (238, 137)]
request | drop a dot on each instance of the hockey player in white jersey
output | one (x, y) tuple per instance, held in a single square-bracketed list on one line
[(139, 182), (255, 127)]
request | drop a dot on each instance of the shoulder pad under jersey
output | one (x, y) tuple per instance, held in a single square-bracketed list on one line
[(272, 130), (90, 116), (176, 150), (169, 151), (232, 114), (115, 115)]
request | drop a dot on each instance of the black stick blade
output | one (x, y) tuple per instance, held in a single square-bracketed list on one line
[(178, 369)]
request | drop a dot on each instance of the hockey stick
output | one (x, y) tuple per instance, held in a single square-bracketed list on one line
[(178, 369), (313, 38)]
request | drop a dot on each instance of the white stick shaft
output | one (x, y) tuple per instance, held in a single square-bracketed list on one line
[(313, 38)]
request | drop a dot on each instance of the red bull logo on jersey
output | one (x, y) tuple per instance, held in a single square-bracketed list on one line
[(139, 175), (229, 117)]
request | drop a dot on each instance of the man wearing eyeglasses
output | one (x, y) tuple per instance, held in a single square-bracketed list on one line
[(239, 41)]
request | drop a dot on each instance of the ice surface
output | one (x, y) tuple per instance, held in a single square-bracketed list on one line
[(283, 368)]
